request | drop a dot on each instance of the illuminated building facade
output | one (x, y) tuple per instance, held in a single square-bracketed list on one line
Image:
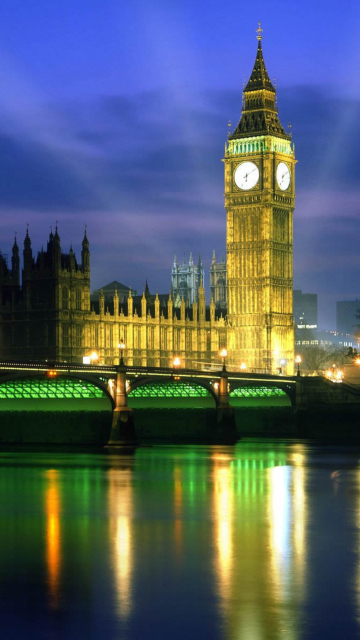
[(51, 314), (259, 200)]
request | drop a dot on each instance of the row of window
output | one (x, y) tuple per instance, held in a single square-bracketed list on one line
[(66, 298), (137, 344)]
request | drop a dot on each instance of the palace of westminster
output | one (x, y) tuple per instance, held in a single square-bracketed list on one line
[(51, 314)]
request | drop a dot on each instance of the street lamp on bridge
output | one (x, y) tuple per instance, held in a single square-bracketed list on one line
[(298, 362), (223, 354), (121, 347)]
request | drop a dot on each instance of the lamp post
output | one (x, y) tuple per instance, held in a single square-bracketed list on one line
[(298, 362), (223, 355), (93, 357), (121, 347), (176, 366)]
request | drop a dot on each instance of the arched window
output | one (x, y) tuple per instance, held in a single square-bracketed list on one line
[(78, 335), (65, 298), (78, 299), (65, 335)]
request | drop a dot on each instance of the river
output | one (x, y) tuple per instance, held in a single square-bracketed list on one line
[(259, 541)]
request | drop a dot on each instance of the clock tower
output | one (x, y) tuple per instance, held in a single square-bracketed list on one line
[(259, 200)]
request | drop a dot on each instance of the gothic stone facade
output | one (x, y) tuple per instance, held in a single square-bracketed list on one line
[(259, 200), (50, 317)]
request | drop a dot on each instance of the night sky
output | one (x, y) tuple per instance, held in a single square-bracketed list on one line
[(114, 114)]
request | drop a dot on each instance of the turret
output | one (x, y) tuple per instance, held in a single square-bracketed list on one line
[(157, 306), (212, 310), (101, 303), (56, 249), (28, 257), (201, 302), (143, 305), (130, 304), (170, 307), (85, 254), (15, 263), (116, 303), (182, 309), (195, 310)]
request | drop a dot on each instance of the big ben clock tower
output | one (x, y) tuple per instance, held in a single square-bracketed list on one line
[(259, 199)]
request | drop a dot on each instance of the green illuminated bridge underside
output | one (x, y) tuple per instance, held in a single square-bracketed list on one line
[(81, 394), (65, 388)]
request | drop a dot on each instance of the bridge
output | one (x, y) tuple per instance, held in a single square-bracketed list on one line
[(125, 389), (172, 387)]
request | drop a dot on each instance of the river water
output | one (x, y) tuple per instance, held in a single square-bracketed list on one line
[(259, 541)]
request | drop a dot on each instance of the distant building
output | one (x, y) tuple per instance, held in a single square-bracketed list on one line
[(218, 282), (325, 338), (109, 291), (305, 310), (186, 279), (346, 316)]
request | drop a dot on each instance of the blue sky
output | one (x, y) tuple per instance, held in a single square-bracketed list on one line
[(114, 115)]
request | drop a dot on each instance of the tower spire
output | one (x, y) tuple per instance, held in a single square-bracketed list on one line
[(259, 113), (259, 31)]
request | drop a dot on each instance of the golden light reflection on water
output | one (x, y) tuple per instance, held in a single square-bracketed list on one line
[(260, 564), (223, 502), (120, 510), (287, 528), (53, 542), (178, 509)]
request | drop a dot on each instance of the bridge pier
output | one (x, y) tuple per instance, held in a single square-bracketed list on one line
[(122, 429), (225, 431), (300, 408)]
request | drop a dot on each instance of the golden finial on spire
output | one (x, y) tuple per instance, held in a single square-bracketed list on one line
[(259, 31)]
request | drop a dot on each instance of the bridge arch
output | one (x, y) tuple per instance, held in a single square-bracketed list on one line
[(243, 392), (61, 392), (171, 392)]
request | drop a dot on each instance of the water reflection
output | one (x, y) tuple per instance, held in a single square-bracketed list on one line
[(120, 497), (223, 502), (260, 519), (250, 542), (53, 540), (178, 511)]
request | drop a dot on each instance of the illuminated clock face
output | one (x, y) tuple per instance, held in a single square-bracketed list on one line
[(283, 176), (246, 175)]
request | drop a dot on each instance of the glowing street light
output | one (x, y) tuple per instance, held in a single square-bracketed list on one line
[(243, 366), (223, 355), (298, 362), (176, 362), (94, 357), (121, 347)]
